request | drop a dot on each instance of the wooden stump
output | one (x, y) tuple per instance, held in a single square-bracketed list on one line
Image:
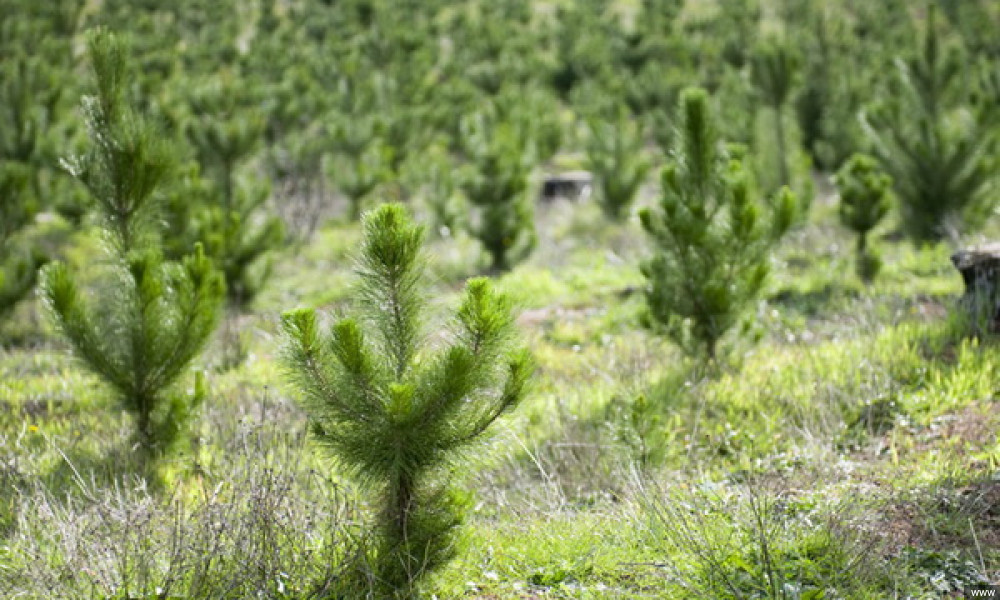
[(573, 186), (980, 269)]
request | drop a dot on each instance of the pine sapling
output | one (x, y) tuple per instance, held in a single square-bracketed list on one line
[(232, 225), (864, 202), (150, 318), (614, 156), (935, 141), (712, 238), (496, 184), (774, 68), (396, 414)]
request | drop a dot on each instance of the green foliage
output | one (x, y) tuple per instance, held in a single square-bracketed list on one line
[(712, 243), (614, 156), (934, 141), (438, 188), (396, 416), (229, 219), (358, 175), (774, 69), (864, 202), (17, 210), (496, 183), (151, 317), (831, 90)]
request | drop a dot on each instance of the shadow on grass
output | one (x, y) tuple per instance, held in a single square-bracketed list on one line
[(822, 301)]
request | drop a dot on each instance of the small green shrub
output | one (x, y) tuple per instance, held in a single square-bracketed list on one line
[(396, 416), (230, 220), (774, 70), (496, 183), (712, 244), (864, 203), (614, 156)]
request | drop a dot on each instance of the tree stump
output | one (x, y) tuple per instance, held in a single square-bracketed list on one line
[(574, 186), (980, 269)]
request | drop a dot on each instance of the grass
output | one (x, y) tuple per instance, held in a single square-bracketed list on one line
[(852, 451)]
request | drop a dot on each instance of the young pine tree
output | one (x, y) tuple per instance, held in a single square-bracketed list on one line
[(935, 142), (865, 193), (232, 225), (712, 239), (151, 317), (773, 69), (614, 156), (395, 414), (496, 184)]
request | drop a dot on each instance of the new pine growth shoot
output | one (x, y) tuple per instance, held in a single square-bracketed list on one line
[(396, 414), (865, 194), (151, 317), (712, 237)]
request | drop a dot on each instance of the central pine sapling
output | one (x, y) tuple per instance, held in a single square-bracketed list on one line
[(712, 245), (614, 156), (151, 318), (397, 415), (864, 202)]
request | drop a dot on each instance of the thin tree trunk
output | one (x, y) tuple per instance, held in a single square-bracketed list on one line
[(780, 132)]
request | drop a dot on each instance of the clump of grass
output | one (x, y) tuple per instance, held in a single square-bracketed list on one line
[(760, 539), (264, 527)]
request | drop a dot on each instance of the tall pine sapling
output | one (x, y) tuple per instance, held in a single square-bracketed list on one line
[(496, 184), (935, 141), (151, 317), (865, 193), (712, 243), (773, 69), (397, 415), (614, 156)]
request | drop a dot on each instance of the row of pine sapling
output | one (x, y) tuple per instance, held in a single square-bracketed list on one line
[(375, 378), (938, 161), (396, 414)]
